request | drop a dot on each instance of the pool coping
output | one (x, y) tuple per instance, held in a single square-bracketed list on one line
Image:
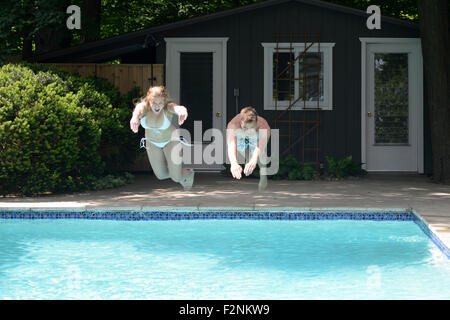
[(194, 213)]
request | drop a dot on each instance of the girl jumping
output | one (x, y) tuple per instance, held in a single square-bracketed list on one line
[(154, 113)]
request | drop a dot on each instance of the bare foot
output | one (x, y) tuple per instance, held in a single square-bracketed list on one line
[(188, 179)]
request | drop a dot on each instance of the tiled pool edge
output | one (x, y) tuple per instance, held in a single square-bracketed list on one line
[(194, 213), (190, 213), (424, 226)]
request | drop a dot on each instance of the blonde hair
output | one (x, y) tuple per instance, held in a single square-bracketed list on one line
[(155, 92), (249, 114)]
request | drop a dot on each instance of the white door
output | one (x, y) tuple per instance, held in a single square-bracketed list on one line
[(196, 78), (393, 108)]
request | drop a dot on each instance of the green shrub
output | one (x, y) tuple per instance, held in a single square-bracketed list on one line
[(48, 141), (295, 174), (119, 146), (289, 168), (308, 171), (61, 132), (113, 181), (292, 169), (286, 165), (344, 167)]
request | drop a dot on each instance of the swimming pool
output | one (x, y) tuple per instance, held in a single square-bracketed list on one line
[(219, 255)]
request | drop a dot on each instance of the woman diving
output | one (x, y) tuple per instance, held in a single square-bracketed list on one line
[(154, 114)]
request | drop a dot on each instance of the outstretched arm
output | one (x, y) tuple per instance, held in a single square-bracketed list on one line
[(180, 111), (137, 112), (235, 168), (264, 134)]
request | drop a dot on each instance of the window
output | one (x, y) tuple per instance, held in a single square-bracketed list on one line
[(297, 77)]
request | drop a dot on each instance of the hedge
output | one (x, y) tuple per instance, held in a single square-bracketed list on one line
[(60, 132)]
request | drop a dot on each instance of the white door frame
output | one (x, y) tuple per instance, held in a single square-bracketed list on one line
[(418, 91), (218, 46)]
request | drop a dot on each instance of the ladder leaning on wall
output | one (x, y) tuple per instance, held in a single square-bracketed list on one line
[(299, 127)]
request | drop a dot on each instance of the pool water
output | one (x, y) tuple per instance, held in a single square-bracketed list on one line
[(219, 259)]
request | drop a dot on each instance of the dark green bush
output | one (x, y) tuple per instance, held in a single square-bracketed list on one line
[(308, 171), (119, 146), (292, 169), (344, 167), (59, 131), (289, 168), (112, 181), (48, 142)]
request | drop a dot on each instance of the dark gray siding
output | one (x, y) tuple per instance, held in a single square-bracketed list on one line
[(340, 129)]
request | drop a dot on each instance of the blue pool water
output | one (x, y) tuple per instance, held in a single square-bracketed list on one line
[(219, 259)]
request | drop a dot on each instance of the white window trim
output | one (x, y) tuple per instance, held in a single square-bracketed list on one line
[(326, 48)]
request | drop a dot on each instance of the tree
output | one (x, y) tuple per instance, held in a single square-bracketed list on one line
[(434, 32), (28, 23), (24, 23), (90, 17), (16, 23), (50, 31)]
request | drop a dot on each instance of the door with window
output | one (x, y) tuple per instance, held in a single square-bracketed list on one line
[(393, 107), (196, 78)]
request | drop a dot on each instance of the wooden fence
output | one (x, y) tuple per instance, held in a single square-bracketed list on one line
[(123, 76)]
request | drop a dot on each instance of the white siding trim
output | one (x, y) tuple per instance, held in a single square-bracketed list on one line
[(363, 104)]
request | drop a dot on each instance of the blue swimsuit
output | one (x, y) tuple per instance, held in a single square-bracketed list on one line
[(166, 124), (243, 143)]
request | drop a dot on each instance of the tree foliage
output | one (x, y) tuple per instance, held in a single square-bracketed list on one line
[(23, 20), (59, 131), (48, 140)]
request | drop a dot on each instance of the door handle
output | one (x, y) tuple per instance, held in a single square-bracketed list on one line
[(369, 114), (218, 114)]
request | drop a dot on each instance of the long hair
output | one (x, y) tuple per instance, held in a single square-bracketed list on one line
[(155, 92)]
